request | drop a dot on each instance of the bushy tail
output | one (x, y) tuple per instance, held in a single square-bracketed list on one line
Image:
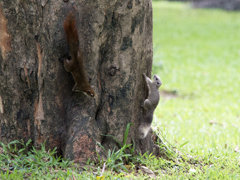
[(146, 124), (71, 31)]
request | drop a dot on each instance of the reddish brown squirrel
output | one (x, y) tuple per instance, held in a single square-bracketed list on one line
[(75, 64)]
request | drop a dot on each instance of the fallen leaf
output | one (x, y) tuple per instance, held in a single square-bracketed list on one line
[(128, 166), (148, 171)]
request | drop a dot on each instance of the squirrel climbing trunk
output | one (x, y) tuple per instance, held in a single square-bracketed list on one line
[(75, 65), (150, 104)]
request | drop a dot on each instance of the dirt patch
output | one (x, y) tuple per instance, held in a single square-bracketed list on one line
[(167, 95)]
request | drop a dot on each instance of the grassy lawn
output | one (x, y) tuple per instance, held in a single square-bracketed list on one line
[(197, 56)]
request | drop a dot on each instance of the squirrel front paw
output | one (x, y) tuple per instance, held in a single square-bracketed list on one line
[(141, 135)]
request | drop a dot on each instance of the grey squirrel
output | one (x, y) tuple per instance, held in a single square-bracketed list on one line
[(75, 64), (150, 104)]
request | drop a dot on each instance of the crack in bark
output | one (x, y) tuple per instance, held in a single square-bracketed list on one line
[(1, 105), (26, 75), (5, 37)]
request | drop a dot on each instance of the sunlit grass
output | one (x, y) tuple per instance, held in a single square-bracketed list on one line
[(197, 54), (200, 55)]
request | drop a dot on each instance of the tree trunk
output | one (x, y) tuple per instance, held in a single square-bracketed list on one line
[(35, 90)]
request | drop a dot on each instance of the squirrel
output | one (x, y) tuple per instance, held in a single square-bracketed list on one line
[(75, 63), (150, 104)]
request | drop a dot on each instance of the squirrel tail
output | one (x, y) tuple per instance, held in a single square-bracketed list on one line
[(71, 31), (146, 124)]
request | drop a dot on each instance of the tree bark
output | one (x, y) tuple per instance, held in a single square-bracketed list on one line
[(35, 90)]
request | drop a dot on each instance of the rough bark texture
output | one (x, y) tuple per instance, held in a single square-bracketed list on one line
[(35, 89)]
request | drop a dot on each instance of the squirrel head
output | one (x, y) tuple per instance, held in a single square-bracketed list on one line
[(90, 92), (157, 80)]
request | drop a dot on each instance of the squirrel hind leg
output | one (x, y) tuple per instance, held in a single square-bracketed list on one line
[(147, 104), (76, 88), (68, 65), (143, 130)]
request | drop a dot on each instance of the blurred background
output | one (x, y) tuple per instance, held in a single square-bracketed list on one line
[(223, 4), (197, 55)]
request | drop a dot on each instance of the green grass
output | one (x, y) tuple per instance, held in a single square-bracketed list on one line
[(197, 56)]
